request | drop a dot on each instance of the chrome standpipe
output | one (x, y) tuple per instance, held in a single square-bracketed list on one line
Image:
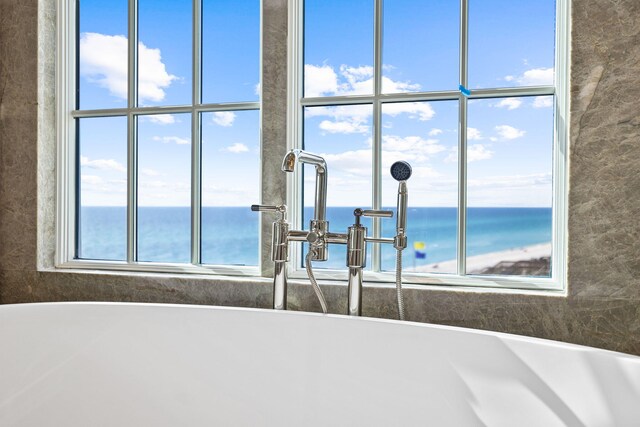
[(279, 253), (357, 258)]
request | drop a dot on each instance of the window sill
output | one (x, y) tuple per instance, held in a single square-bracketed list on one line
[(471, 284)]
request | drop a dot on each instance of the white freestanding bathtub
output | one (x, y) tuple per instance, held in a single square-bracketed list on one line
[(95, 364)]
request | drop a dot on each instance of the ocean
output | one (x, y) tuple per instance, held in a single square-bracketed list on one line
[(230, 234)]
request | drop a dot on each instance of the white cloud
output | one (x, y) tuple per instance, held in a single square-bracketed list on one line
[(319, 81), (348, 126), (512, 180), (435, 132), (359, 80), (542, 102), (477, 152), (412, 145), (98, 191), (509, 132), (324, 80), (534, 77), (161, 119), (513, 190), (103, 60), (392, 86), (340, 112), (91, 179), (357, 162), (149, 172), (102, 164), (473, 134), (224, 118), (237, 148), (171, 139), (509, 103), (422, 110)]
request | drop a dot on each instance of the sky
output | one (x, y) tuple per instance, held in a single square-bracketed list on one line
[(509, 140)]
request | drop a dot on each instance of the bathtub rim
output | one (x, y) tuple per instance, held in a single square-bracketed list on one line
[(309, 314)]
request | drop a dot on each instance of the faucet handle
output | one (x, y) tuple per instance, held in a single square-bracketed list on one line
[(281, 209), (377, 213), (371, 213)]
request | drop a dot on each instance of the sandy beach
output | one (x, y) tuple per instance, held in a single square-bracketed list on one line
[(478, 262)]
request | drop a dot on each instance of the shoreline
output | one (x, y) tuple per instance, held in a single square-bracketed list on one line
[(477, 263)]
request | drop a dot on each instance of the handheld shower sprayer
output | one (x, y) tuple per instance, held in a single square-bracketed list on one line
[(401, 172)]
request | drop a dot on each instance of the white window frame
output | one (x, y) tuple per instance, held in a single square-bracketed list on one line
[(66, 116), (560, 89)]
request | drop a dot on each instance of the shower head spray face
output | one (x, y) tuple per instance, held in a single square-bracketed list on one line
[(401, 171)]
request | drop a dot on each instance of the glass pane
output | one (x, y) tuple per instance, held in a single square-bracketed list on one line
[(164, 188), (230, 185), (509, 181), (230, 50), (511, 43), (338, 47), (102, 54), (164, 52), (419, 34), (102, 221), (426, 136), (342, 135)]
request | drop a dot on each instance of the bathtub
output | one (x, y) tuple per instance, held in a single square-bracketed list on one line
[(101, 364)]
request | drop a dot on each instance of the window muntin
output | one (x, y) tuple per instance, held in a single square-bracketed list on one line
[(151, 84), (506, 95)]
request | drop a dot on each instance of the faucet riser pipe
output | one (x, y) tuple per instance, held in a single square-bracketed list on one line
[(320, 211), (280, 286), (354, 303), (279, 242)]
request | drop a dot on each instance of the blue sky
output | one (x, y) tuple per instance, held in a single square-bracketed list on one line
[(510, 140)]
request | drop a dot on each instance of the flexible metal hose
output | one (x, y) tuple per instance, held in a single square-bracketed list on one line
[(314, 284), (399, 284)]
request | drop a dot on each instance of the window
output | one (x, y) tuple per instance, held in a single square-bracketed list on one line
[(473, 97), (159, 111), (159, 103)]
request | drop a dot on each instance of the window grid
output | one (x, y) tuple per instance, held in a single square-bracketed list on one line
[(68, 249), (378, 99), (67, 116)]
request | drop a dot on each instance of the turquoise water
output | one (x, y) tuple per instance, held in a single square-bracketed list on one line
[(230, 234)]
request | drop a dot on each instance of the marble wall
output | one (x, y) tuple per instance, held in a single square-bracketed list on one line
[(602, 307)]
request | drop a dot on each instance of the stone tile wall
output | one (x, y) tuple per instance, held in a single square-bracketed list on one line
[(602, 307)]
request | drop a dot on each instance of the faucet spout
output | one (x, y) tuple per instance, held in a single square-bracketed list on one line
[(301, 156)]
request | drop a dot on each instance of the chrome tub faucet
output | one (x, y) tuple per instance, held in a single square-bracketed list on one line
[(319, 236)]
